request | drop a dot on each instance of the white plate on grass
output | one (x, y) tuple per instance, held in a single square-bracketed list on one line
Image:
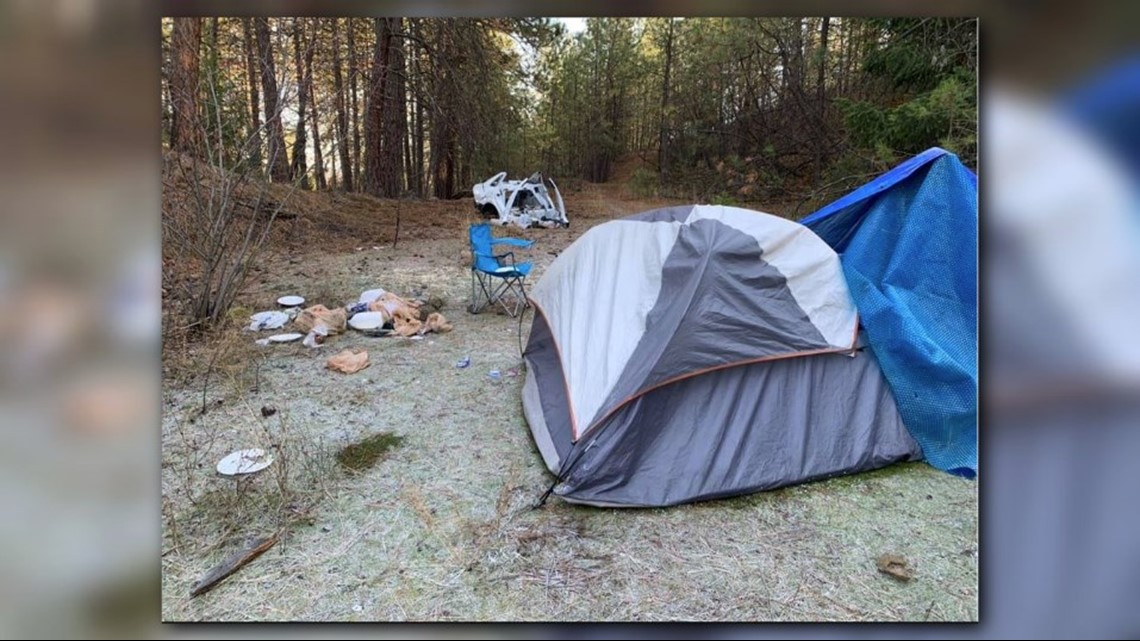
[(245, 462), (366, 321), (285, 338), (291, 301)]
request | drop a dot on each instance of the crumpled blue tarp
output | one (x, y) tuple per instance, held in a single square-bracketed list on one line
[(908, 242)]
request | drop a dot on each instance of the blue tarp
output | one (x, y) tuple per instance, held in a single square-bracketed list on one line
[(908, 242)]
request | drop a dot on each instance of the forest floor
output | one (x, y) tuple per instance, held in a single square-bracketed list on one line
[(440, 525)]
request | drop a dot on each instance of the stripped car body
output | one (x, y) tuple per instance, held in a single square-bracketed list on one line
[(523, 203)]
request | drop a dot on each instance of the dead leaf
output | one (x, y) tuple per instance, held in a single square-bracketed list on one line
[(896, 566)]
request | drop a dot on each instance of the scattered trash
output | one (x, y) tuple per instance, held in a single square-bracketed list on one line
[(358, 608), (367, 321), (495, 375), (245, 461), (348, 362), (357, 308), (262, 341), (268, 320), (333, 320), (463, 362), (437, 323), (520, 202), (267, 411), (316, 337), (285, 338), (416, 338), (291, 301), (512, 372), (232, 563), (372, 294), (896, 566)]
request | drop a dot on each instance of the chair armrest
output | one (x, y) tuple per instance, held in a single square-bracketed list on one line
[(515, 242)]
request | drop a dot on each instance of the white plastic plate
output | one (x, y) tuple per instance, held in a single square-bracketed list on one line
[(285, 338), (245, 462), (367, 320)]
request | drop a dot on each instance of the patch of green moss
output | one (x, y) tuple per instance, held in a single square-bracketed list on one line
[(364, 454)]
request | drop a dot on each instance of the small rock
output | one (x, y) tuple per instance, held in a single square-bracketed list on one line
[(929, 497), (358, 608), (325, 528), (267, 411)]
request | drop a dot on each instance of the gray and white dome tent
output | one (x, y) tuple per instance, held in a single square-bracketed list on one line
[(701, 352)]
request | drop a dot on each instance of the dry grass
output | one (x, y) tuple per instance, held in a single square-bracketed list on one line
[(441, 527)]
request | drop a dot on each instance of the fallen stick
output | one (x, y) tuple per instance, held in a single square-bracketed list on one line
[(232, 563)]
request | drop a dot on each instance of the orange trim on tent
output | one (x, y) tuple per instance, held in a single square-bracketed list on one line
[(565, 380)]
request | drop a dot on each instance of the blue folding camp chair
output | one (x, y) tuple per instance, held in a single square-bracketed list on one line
[(492, 278)]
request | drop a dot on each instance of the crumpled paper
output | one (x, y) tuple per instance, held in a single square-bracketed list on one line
[(348, 362)]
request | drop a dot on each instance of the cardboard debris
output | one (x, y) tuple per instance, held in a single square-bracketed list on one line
[(348, 362), (333, 320), (405, 316), (437, 323)]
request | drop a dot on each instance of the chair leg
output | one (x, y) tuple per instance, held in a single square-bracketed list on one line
[(487, 291), (515, 286), (481, 296)]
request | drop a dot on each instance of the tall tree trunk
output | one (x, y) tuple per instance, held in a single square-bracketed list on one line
[(214, 38), (821, 97), (796, 56), (374, 179), (662, 144), (318, 154), (353, 73), (254, 106), (186, 129), (822, 80), (406, 141), (395, 123), (419, 115), (300, 143), (341, 116), (443, 139), (278, 160)]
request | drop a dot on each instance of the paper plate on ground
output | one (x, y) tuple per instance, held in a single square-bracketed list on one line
[(291, 301), (366, 321), (285, 338), (245, 462)]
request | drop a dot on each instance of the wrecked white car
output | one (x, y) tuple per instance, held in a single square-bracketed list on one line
[(521, 202)]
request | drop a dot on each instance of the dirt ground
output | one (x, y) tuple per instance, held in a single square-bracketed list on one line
[(441, 526)]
